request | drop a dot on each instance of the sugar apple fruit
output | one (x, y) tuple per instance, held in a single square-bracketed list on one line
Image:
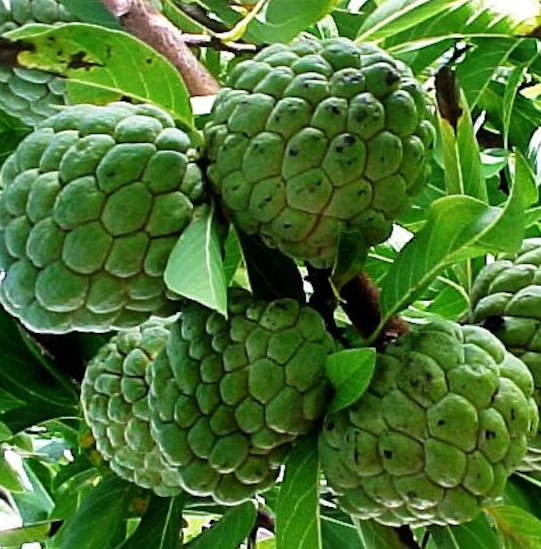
[(506, 299), (114, 397), (28, 94), (317, 138), (92, 204), (443, 424), (228, 397)]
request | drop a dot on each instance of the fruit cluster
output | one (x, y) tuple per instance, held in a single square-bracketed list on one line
[(307, 141)]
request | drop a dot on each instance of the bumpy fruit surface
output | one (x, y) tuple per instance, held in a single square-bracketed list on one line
[(114, 396), (92, 204), (506, 298), (27, 94), (317, 138), (229, 396), (444, 423)]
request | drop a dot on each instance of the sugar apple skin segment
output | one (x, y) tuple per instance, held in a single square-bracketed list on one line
[(318, 137), (229, 397), (92, 203), (114, 398), (445, 421), (506, 300)]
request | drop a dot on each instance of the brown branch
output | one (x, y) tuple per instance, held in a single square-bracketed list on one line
[(361, 304), (153, 28)]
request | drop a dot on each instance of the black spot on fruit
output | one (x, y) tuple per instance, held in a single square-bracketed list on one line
[(489, 435), (392, 77), (441, 422), (388, 454)]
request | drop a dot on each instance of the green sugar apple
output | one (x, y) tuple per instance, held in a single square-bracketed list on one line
[(92, 203), (114, 397), (506, 298), (443, 424), (228, 397), (28, 94), (317, 138)]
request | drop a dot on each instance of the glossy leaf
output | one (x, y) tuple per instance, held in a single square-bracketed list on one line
[(461, 161), (289, 18), (339, 535), (10, 478), (477, 533), (104, 65), (518, 528), (395, 16), (100, 517), (32, 533), (477, 70), (160, 527), (195, 268), (459, 228), (297, 509), (350, 372), (230, 531), (91, 12), (377, 536)]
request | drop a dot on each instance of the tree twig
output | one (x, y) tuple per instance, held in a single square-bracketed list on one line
[(203, 40), (149, 25), (199, 15)]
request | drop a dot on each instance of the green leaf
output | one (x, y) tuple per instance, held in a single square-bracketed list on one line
[(297, 508), (103, 65), (160, 527), (100, 517), (521, 490), (336, 534), (91, 12), (352, 255), (461, 161), (32, 533), (24, 377), (230, 531), (10, 479), (350, 372), (526, 116), (34, 504), (395, 16), (458, 228), (525, 177), (476, 534), (232, 256), (272, 274), (476, 72), (290, 18), (377, 536), (518, 528), (195, 268), (511, 90)]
